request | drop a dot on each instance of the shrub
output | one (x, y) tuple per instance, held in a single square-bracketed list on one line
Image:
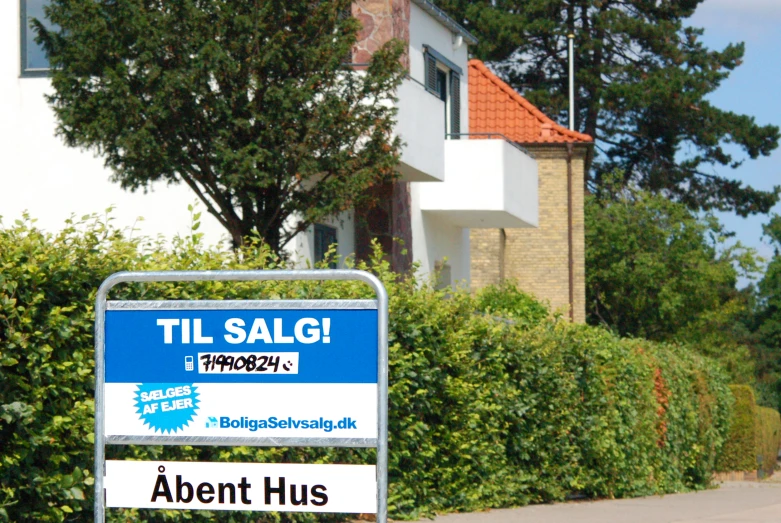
[(769, 437), (508, 301), (754, 432), (484, 412), (738, 452)]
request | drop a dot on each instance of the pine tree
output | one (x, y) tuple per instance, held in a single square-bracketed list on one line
[(248, 103), (643, 79)]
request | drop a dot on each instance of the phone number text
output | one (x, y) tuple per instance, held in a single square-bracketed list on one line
[(248, 362)]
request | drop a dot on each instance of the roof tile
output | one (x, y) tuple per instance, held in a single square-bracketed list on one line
[(494, 107)]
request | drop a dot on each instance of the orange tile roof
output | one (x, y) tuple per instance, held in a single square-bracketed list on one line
[(494, 107)]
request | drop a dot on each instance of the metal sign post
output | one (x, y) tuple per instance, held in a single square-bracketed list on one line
[(242, 372)]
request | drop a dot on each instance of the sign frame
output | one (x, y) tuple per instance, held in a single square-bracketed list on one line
[(102, 304)]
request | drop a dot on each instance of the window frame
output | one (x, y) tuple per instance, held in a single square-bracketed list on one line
[(24, 30), (321, 228), (434, 62)]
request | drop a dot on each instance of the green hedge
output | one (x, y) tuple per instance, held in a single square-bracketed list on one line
[(484, 412), (754, 431), (739, 451), (769, 437)]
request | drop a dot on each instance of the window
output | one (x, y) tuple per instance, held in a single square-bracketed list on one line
[(443, 79), (34, 59), (442, 84), (325, 236)]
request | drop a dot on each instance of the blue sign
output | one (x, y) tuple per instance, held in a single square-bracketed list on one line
[(241, 346)]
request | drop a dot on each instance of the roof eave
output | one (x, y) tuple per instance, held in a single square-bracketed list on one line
[(445, 20), (542, 143)]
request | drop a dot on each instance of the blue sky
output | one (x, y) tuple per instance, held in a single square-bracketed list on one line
[(754, 89)]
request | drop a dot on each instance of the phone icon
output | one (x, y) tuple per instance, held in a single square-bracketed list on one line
[(188, 363)]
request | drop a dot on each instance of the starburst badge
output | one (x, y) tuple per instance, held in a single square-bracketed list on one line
[(166, 407)]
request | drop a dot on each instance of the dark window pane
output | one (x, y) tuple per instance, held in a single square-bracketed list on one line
[(325, 236), (442, 84), (35, 57)]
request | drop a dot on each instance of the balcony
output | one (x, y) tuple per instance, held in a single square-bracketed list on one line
[(420, 123), (488, 184)]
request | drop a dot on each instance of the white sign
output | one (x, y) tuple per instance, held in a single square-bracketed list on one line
[(241, 486), (274, 410)]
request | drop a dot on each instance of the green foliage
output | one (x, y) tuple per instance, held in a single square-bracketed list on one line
[(739, 451), (509, 301), (769, 437), (611, 417), (46, 366), (754, 432), (643, 80), (766, 322), (484, 411), (657, 270), (722, 335), (248, 103)]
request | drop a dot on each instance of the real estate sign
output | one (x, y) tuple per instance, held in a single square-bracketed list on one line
[(255, 372), (241, 486)]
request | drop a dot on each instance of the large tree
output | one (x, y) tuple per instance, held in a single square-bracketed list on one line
[(249, 103), (769, 289), (643, 78), (766, 322), (658, 270)]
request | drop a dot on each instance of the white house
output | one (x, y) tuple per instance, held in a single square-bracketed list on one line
[(448, 182)]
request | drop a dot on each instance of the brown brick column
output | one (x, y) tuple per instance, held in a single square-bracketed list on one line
[(391, 218), (383, 20), (386, 221)]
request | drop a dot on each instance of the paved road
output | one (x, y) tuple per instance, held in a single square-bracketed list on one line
[(739, 502)]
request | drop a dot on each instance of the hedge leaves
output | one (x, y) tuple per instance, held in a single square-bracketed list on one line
[(492, 402)]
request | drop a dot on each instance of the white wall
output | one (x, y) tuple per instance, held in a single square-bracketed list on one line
[(435, 240), (421, 126), (38, 173), (488, 184), (426, 30), (301, 248)]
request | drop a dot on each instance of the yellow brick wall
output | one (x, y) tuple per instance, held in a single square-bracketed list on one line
[(538, 258), (487, 256)]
